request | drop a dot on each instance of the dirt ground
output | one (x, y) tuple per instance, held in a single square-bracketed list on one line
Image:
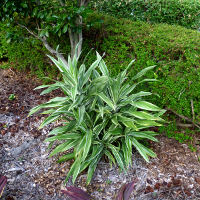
[(174, 174)]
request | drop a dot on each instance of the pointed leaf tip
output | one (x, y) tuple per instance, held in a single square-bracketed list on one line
[(125, 191), (128, 190)]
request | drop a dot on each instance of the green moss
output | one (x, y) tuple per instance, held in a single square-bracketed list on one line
[(26, 53), (180, 12), (173, 49)]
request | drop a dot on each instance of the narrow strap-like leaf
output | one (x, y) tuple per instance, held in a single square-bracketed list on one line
[(142, 73), (117, 156), (102, 66), (64, 147), (107, 100), (146, 106)]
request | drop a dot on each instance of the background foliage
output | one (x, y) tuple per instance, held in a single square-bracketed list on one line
[(26, 53), (181, 12), (175, 51)]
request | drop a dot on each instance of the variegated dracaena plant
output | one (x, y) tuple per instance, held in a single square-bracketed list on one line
[(101, 116)]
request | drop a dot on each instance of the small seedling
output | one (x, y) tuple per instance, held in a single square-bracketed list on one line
[(21, 158), (11, 97), (108, 181)]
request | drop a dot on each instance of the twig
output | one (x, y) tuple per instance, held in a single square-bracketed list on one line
[(184, 125), (185, 118), (46, 44), (192, 106)]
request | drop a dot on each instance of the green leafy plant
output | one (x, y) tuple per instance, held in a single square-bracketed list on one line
[(181, 12), (11, 97), (101, 116)]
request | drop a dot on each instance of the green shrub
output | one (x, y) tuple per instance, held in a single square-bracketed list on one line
[(173, 49), (26, 53), (101, 115), (181, 12)]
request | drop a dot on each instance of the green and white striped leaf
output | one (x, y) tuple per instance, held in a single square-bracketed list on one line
[(142, 73), (142, 135), (117, 156), (146, 106), (64, 147), (67, 136), (102, 65), (140, 149), (66, 157), (92, 167), (107, 100), (142, 115)]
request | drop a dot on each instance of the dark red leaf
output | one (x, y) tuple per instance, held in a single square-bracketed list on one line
[(128, 190), (76, 193), (121, 192), (3, 181), (125, 191)]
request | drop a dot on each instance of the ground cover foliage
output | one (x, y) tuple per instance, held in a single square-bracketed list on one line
[(173, 49), (181, 12)]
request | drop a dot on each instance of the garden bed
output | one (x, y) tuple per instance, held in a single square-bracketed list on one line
[(174, 174)]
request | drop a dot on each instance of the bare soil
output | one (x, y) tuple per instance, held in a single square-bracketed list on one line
[(174, 174)]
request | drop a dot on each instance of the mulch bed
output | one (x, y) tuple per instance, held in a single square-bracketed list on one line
[(174, 174)]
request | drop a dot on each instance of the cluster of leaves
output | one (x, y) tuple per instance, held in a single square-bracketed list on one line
[(117, 8), (26, 54), (43, 17), (78, 194), (181, 12), (102, 116)]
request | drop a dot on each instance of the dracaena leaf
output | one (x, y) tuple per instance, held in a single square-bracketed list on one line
[(102, 66), (142, 135), (64, 129), (66, 157), (146, 106), (64, 147), (92, 167), (117, 156), (107, 100), (66, 136), (142, 115)]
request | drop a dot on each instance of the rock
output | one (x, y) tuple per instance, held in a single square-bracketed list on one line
[(18, 150)]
